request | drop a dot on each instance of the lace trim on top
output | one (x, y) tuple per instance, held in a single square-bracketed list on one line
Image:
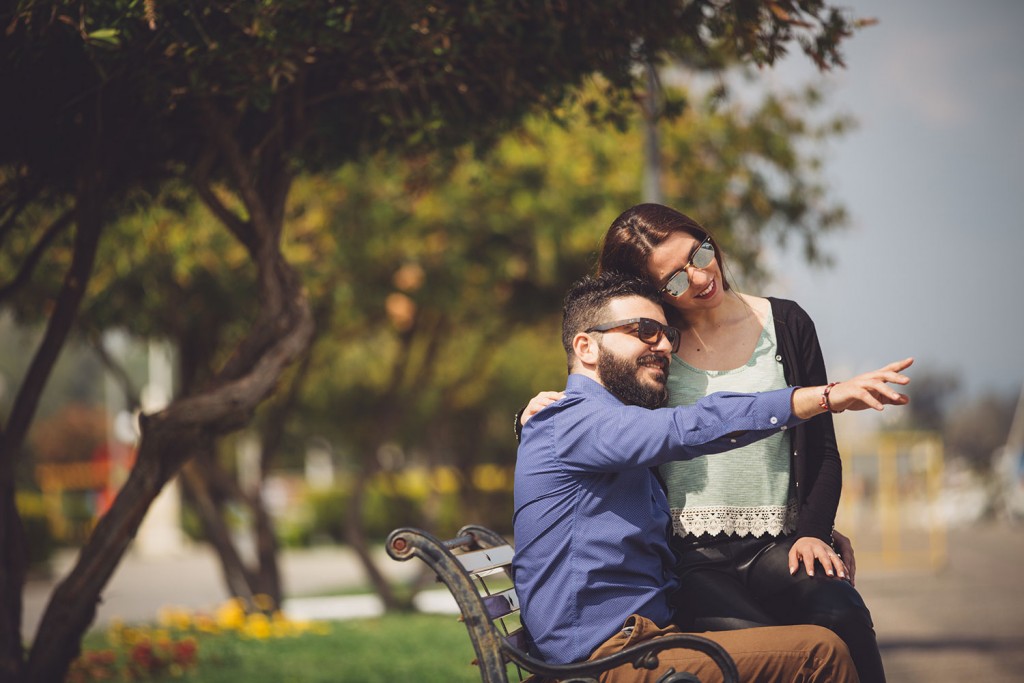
[(737, 521)]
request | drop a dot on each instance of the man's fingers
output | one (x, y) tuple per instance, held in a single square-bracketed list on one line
[(900, 365), (884, 394), (851, 569), (844, 548), (894, 378), (859, 397), (876, 394)]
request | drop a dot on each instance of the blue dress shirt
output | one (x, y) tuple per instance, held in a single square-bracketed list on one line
[(591, 520)]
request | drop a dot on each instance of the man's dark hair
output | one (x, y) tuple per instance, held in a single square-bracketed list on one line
[(587, 300)]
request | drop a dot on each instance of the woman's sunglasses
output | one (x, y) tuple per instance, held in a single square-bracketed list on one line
[(646, 330), (702, 257)]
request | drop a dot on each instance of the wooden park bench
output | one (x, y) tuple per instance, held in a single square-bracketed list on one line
[(476, 568)]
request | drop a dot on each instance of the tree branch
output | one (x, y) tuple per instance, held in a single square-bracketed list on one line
[(87, 237), (238, 166), (131, 393), (201, 181), (21, 201), (28, 266)]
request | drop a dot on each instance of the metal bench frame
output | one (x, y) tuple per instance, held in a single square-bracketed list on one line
[(465, 564)]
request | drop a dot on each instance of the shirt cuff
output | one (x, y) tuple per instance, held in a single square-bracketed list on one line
[(781, 406)]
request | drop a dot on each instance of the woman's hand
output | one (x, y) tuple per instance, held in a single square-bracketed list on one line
[(845, 549), (541, 400), (807, 549)]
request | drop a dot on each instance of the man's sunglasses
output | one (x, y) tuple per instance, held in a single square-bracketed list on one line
[(701, 257), (646, 330)]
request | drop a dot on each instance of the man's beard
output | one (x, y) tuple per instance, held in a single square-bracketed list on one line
[(620, 376)]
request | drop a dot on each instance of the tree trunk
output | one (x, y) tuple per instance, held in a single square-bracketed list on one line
[(357, 540), (282, 333), (13, 565), (268, 573), (237, 578), (14, 555), (209, 484)]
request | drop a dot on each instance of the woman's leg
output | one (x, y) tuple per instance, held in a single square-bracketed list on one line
[(712, 596), (710, 600), (819, 599)]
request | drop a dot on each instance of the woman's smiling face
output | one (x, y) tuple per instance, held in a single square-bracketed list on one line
[(673, 255)]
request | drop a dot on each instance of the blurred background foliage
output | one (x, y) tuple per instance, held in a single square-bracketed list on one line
[(439, 278), (439, 281)]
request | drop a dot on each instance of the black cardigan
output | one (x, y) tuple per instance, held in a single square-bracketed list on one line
[(816, 468)]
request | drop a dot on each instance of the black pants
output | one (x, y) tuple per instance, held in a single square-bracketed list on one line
[(736, 583)]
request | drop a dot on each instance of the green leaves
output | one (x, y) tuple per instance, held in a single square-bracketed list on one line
[(104, 38)]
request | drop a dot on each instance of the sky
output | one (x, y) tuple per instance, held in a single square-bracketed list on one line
[(932, 263)]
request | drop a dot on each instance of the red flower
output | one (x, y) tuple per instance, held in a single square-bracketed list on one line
[(184, 652), (144, 656)]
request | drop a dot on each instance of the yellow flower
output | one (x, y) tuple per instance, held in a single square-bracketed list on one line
[(174, 617), (133, 636), (231, 615), (205, 623), (257, 626), (115, 632), (263, 602)]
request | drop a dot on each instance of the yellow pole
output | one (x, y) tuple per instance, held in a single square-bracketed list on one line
[(888, 498), (937, 527)]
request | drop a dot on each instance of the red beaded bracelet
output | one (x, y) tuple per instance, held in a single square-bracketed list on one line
[(825, 403)]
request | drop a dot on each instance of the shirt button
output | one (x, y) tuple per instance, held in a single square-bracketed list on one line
[(783, 428), (774, 420), (778, 358), (732, 440)]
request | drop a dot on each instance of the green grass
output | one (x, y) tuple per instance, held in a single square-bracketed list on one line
[(415, 647)]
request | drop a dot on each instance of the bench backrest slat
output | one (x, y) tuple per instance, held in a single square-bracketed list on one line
[(518, 639), (502, 604), (478, 561)]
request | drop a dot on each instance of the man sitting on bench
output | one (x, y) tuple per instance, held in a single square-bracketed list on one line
[(593, 568)]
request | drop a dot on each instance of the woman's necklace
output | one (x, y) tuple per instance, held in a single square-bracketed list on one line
[(724, 345)]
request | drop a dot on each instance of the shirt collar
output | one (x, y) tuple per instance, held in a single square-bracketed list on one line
[(586, 387)]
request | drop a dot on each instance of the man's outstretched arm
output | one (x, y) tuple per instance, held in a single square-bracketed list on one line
[(869, 390)]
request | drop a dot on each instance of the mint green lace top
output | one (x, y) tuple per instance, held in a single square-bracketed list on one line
[(743, 492)]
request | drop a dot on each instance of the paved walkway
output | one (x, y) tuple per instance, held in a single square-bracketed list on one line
[(142, 585), (965, 622), (962, 623)]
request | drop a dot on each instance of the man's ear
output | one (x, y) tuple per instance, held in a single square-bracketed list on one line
[(586, 349)]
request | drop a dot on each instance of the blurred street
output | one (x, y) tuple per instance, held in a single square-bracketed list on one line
[(964, 622)]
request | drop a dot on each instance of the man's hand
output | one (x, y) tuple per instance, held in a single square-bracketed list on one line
[(541, 400), (869, 390), (807, 549), (845, 549)]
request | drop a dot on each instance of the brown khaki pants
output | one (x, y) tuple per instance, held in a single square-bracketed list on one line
[(772, 654)]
